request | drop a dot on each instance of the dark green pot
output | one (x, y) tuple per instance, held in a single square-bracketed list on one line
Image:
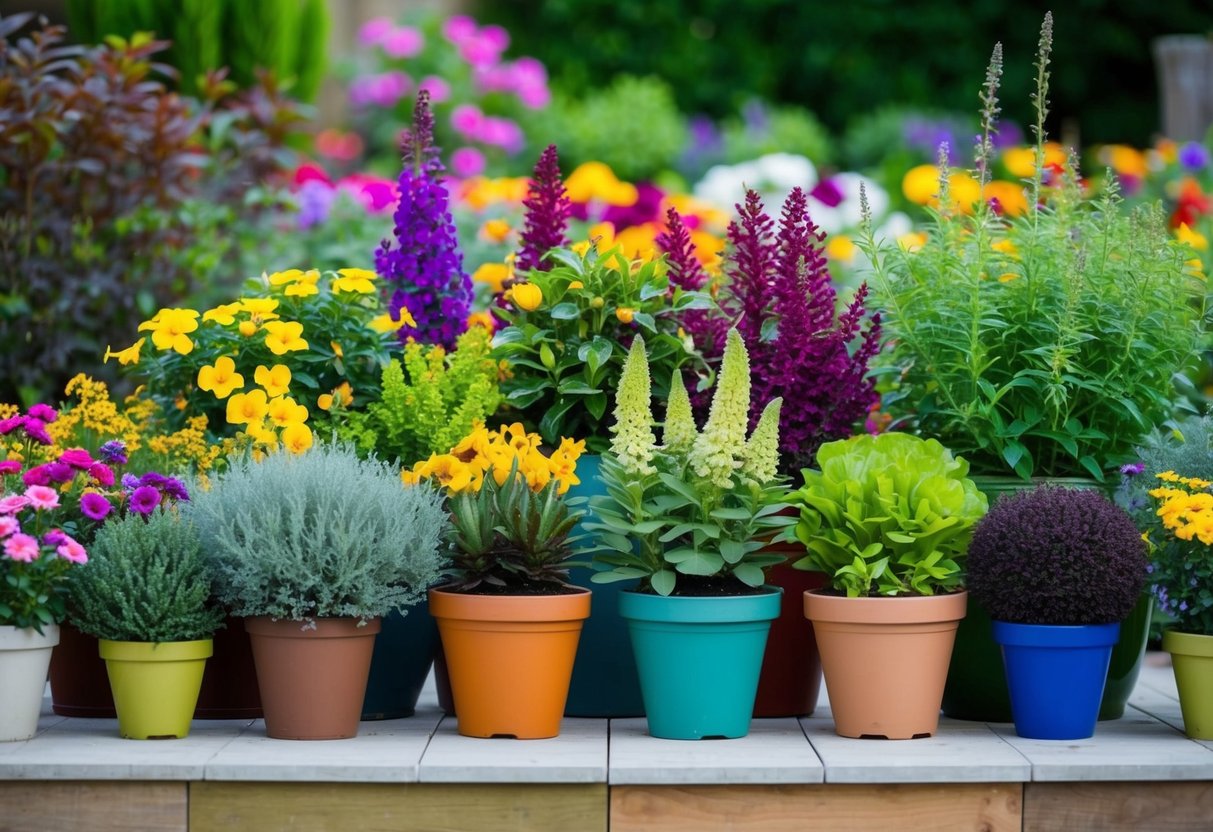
[(977, 685), (404, 651), (604, 683)]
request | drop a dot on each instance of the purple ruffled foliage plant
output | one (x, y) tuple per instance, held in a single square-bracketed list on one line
[(780, 296), (1057, 556), (423, 270), (547, 214)]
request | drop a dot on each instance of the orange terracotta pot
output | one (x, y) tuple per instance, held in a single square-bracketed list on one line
[(885, 660), (510, 658), (312, 680)]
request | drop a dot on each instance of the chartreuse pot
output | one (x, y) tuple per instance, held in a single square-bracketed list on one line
[(1192, 661), (155, 686), (698, 659), (604, 682), (1055, 676)]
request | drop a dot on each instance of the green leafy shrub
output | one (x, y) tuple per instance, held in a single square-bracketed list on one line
[(321, 534), (765, 129), (888, 515), (146, 580)]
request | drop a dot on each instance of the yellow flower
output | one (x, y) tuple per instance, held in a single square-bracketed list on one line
[(581, 248), (224, 315), (386, 323), (921, 184), (450, 472), (1021, 161), (492, 275), (355, 280), (841, 248), (639, 242), (1125, 160), (1006, 247), (1007, 277), (964, 190), (342, 396), (284, 337), (130, 355), (288, 276), (297, 437), (912, 241), (484, 319), (284, 410), (262, 309), (276, 380), (1010, 196), (576, 284), (526, 296), (247, 328), (247, 408), (625, 314), (497, 230), (220, 378), (1195, 239), (170, 329), (301, 289), (594, 181)]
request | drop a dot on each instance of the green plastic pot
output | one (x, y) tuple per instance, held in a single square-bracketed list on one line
[(404, 652), (155, 686), (1192, 661), (977, 684)]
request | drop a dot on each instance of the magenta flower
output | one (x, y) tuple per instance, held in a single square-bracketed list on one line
[(94, 506), (101, 474), (145, 499), (42, 498), (35, 429), (43, 412), (77, 458), (22, 548), (10, 424), (8, 525), (71, 550), (467, 119), (8, 467), (438, 88), (373, 32), (547, 213), (38, 475), (467, 162), (13, 504), (402, 42), (458, 28), (59, 472)]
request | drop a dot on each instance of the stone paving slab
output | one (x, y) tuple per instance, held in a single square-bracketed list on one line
[(774, 752), (578, 755)]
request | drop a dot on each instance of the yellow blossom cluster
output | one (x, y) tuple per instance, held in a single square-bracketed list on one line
[(485, 450), (186, 448), (1186, 507), (93, 417)]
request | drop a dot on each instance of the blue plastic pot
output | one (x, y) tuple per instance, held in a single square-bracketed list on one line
[(604, 682), (698, 659), (1055, 675)]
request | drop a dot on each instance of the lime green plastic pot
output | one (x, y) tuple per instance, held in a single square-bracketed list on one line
[(155, 686), (1192, 661)]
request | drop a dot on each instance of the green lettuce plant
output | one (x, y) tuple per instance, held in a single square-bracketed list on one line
[(702, 505), (319, 534), (890, 514), (146, 580)]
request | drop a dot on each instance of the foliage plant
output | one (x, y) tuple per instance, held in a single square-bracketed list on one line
[(700, 506), (890, 514), (146, 580), (779, 293), (567, 331), (1045, 344), (320, 534), (1057, 556), (1179, 537)]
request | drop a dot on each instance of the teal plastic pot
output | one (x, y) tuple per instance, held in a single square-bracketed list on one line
[(404, 651), (604, 683), (698, 659)]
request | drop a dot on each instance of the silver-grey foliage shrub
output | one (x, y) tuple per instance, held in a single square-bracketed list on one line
[(321, 534)]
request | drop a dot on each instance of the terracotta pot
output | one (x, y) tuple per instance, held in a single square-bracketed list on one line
[(312, 678), (791, 667), (885, 660), (79, 684), (509, 658)]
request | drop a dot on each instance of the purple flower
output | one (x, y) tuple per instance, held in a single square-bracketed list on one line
[(547, 213), (646, 208), (827, 193), (315, 200), (114, 452), (1194, 156), (35, 429), (130, 482), (145, 499), (423, 269), (77, 458), (55, 537), (94, 506), (10, 424), (44, 412), (154, 479), (175, 489), (1132, 469), (38, 475), (59, 472)]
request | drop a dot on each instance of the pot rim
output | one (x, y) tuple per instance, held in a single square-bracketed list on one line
[(156, 651), (824, 605), (1187, 644), (342, 627), (13, 637), (702, 609), (1059, 636), (469, 606)]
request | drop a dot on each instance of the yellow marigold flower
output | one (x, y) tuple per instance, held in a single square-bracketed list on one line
[(125, 357), (1195, 239), (1021, 161), (921, 184), (1007, 277), (1168, 476), (841, 248), (170, 329), (595, 181), (276, 380), (355, 280), (639, 242), (220, 378), (224, 315), (1011, 197), (625, 314), (284, 336), (912, 241), (247, 408), (526, 296), (284, 410), (492, 275), (497, 230), (484, 319)]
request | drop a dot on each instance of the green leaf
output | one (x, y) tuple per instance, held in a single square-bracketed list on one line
[(749, 574), (565, 312), (732, 514), (663, 582), (732, 550), (701, 563)]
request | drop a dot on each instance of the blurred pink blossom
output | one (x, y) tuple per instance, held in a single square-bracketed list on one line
[(440, 90), (501, 132), (403, 42), (467, 162), (468, 120), (375, 30), (458, 28)]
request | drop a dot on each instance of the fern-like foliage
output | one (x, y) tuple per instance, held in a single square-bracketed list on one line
[(145, 580), (322, 534)]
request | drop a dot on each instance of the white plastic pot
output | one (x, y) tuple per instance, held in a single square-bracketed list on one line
[(25, 657)]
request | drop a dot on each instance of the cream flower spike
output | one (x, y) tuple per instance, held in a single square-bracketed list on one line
[(679, 432), (718, 451), (633, 443), (762, 450)]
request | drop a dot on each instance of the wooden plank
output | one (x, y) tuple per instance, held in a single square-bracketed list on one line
[(105, 806), (994, 807), (1113, 807), (408, 807)]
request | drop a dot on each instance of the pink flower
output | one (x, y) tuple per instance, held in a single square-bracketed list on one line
[(35, 429), (503, 133), (102, 474), (94, 506), (41, 497), (403, 42), (479, 52), (440, 90), (495, 38), (10, 424), (144, 499), (375, 30), (8, 525), (22, 547), (73, 551), (9, 467), (13, 504), (467, 162), (535, 98), (467, 119), (44, 412), (38, 475), (458, 28)]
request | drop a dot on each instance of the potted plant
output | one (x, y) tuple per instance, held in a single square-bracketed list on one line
[(687, 522), (1180, 572), (1038, 337), (508, 618), (146, 594), (888, 519), (1058, 569), (312, 549)]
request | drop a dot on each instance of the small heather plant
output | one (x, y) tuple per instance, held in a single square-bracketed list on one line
[(321, 534), (146, 580), (1057, 556), (547, 214), (424, 268)]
